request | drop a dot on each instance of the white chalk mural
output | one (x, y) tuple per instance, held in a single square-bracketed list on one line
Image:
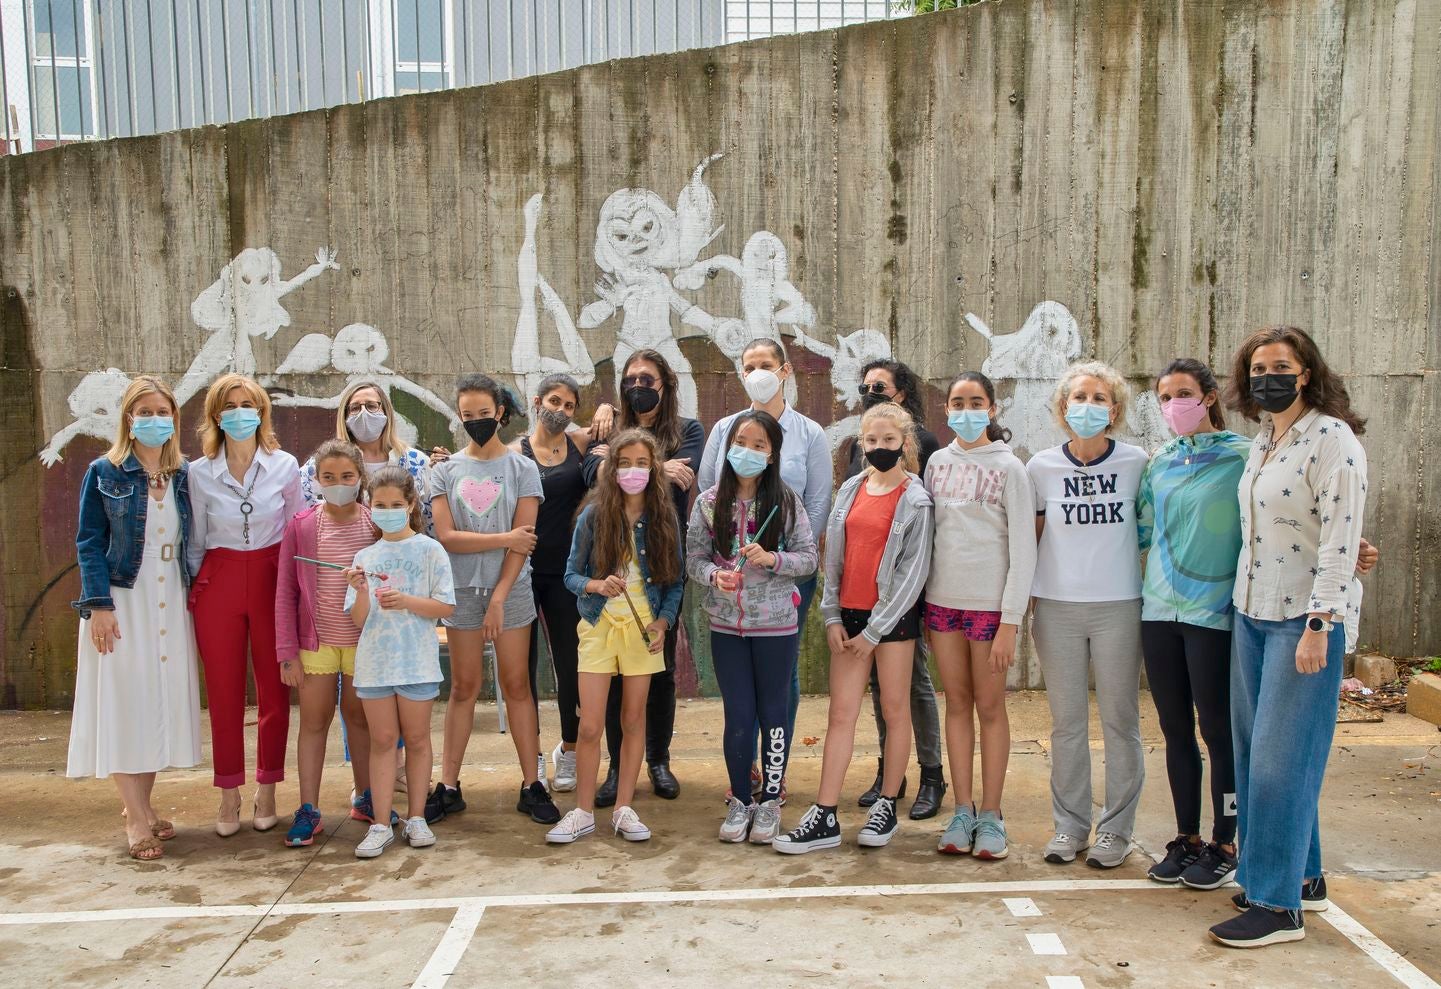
[(526, 359), (852, 351), (95, 406)]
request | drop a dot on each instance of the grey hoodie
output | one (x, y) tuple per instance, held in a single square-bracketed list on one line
[(905, 562)]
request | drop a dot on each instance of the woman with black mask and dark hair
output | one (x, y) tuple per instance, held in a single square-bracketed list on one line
[(650, 395), (886, 380)]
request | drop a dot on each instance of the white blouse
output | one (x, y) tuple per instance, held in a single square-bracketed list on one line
[(1301, 521), (272, 486)]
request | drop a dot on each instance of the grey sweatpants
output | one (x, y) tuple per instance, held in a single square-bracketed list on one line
[(925, 719), (1074, 640)]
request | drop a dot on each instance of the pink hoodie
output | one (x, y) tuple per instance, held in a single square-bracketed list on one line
[(295, 586)]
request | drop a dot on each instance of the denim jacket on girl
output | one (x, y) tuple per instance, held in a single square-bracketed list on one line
[(110, 537), (664, 599), (766, 603)]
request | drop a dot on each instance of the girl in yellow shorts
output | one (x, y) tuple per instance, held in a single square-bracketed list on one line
[(626, 572)]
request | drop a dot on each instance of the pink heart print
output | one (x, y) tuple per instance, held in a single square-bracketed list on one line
[(478, 496)]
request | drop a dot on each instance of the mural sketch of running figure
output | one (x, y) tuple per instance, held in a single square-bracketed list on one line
[(359, 352), (243, 302), (638, 241), (526, 360), (852, 352), (95, 408)]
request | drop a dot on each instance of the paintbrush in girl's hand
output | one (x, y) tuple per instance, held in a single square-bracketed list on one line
[(337, 566), (741, 561)]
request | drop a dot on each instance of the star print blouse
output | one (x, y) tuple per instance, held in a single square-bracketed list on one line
[(1300, 520)]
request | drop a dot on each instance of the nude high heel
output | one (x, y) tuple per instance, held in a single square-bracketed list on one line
[(227, 828), (262, 823)]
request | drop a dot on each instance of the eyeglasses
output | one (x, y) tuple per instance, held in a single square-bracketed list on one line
[(638, 381), (874, 388), (373, 408)]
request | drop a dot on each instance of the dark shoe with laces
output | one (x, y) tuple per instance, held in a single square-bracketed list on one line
[(928, 794), (818, 829), (881, 826), (1313, 897), (535, 801), (663, 781), (1259, 927), (1213, 868), (1180, 853), (605, 793), (442, 800)]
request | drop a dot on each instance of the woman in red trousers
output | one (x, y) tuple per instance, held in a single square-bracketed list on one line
[(243, 491)]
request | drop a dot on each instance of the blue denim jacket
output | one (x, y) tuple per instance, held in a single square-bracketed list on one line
[(664, 598), (110, 537)]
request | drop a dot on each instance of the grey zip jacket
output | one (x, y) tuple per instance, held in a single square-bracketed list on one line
[(905, 562)]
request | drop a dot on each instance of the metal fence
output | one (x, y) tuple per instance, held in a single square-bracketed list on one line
[(85, 69)]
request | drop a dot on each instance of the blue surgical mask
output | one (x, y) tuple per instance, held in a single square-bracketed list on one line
[(745, 461), (1087, 420), (240, 424), (969, 424), (390, 519), (152, 431)]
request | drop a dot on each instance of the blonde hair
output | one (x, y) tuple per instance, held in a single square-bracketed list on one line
[(389, 437), (902, 420), (212, 439), (170, 456), (1107, 375)]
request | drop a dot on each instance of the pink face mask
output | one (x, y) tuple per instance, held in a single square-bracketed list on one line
[(632, 480), (1183, 415)]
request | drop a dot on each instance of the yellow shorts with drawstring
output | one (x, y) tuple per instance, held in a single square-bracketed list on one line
[(328, 660), (615, 645)]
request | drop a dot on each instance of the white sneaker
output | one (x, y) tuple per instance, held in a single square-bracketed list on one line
[(1063, 848), (540, 770), (377, 839), (564, 763), (738, 821), (767, 826), (576, 824), (418, 833), (628, 825)]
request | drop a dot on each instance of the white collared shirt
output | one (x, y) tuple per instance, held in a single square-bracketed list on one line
[(273, 481), (1301, 521), (805, 462)]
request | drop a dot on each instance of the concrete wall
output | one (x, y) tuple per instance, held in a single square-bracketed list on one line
[(1130, 181)]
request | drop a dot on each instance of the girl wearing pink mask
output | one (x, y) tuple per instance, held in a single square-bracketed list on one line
[(626, 571)]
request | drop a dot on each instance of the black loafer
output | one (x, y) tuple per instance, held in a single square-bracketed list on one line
[(928, 794), (605, 793), (663, 781)]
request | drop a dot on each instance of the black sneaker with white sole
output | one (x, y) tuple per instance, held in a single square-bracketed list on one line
[(1259, 927), (881, 825), (1213, 868), (1180, 853), (818, 829), (1313, 897), (443, 800)]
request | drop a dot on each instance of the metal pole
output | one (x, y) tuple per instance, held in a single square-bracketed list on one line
[(175, 65), (560, 20), (274, 67), (465, 41), (249, 59), (200, 52), (324, 90), (5, 91), (419, 86), (132, 121), (533, 26), (225, 63), (366, 59), (150, 44), (79, 97), (54, 71), (29, 72), (104, 86), (297, 34), (510, 39), (447, 65), (630, 29), (344, 56)]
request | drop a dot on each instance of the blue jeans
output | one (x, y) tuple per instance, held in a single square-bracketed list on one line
[(1282, 723), (807, 590)]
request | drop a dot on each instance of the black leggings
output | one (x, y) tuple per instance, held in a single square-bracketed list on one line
[(659, 710), (557, 619), (1189, 670), (754, 674)]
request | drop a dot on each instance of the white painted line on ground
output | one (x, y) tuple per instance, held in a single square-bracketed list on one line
[(1064, 982), (1021, 906), (1381, 952), (451, 949), (1046, 944)]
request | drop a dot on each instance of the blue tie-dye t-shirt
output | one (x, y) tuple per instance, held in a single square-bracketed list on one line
[(398, 648)]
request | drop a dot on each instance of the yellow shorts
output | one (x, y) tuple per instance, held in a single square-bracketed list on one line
[(615, 646), (328, 660)]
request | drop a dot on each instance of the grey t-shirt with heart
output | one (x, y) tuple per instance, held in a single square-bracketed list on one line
[(481, 496)]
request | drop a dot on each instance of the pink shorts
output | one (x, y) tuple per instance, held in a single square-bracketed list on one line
[(978, 626)]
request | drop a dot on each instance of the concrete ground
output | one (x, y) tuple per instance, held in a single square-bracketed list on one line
[(491, 904)]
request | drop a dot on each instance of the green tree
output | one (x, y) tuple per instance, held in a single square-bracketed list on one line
[(927, 6)]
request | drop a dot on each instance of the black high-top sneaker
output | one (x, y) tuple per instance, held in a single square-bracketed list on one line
[(881, 826), (818, 829)]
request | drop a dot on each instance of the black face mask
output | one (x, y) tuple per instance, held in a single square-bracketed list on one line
[(481, 430), (641, 400), (873, 398), (1274, 392), (882, 459)]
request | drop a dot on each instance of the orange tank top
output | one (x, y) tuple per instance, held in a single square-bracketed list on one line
[(868, 526)]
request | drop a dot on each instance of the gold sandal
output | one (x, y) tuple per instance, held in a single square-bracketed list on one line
[(164, 830), (139, 850)]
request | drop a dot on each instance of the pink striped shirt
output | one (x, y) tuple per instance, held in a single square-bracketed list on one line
[(337, 542)]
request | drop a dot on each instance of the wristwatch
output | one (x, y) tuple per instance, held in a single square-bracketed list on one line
[(1316, 624)]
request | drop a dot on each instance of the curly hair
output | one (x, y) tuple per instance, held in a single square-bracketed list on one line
[(611, 546), (906, 381), (1108, 376), (1324, 390), (666, 425)]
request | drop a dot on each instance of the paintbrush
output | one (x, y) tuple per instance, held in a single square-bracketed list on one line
[(636, 614), (741, 561), (337, 566)]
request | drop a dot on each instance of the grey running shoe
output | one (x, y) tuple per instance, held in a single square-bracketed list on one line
[(738, 821), (1064, 848), (1109, 851), (767, 825), (990, 840)]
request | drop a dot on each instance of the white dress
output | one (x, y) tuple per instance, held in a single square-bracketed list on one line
[(137, 710)]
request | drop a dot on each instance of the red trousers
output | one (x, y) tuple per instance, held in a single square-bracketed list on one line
[(233, 601)]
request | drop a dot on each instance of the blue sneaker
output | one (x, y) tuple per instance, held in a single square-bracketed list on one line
[(307, 825), (361, 808), (989, 838), (960, 833)]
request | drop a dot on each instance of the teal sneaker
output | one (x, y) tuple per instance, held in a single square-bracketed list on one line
[(959, 833), (306, 826), (990, 836)]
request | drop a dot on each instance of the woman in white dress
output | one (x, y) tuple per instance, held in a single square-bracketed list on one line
[(137, 698)]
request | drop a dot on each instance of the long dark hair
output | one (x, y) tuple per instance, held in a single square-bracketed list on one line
[(906, 381), (1325, 391), (506, 404), (770, 490), (1205, 377), (610, 546), (666, 427), (994, 430)]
